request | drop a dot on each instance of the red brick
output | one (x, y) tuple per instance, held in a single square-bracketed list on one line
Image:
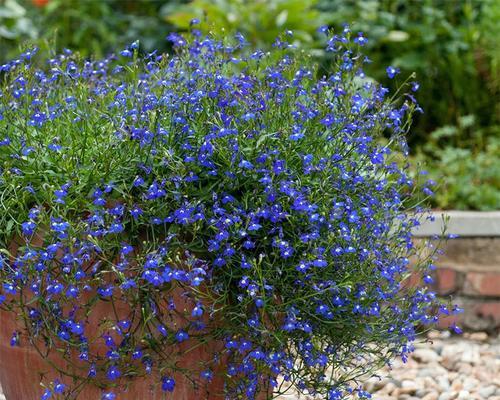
[(446, 321), (482, 283), (446, 281), (477, 316), (490, 311), (412, 281)]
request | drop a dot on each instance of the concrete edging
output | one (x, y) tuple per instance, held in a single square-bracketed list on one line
[(461, 223)]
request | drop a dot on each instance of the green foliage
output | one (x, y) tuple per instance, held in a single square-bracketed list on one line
[(97, 28), (453, 48), (261, 21), (468, 170), (448, 44), (14, 24), (489, 42), (91, 27)]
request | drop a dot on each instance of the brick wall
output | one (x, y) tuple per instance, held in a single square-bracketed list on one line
[(469, 271)]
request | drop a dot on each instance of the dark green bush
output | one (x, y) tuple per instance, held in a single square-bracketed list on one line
[(449, 44), (90, 27), (453, 48)]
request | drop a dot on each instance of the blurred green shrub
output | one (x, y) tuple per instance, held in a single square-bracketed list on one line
[(489, 41), (88, 26), (15, 25), (468, 158), (261, 21), (451, 45)]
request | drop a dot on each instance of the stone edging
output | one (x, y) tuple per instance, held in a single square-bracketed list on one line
[(461, 223)]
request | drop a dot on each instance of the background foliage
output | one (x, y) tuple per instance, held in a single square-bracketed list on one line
[(451, 45), (453, 48)]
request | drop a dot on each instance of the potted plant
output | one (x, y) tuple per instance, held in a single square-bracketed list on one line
[(217, 223)]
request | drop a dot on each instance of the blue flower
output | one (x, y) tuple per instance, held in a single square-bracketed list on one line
[(167, 384), (77, 328), (137, 354), (28, 228), (162, 330), (34, 213), (92, 372), (14, 340), (324, 29), (136, 212), (181, 336), (9, 288), (59, 387), (456, 329), (360, 39), (254, 226), (126, 53), (392, 72), (113, 373), (60, 195), (196, 312), (246, 164), (207, 375), (106, 291)]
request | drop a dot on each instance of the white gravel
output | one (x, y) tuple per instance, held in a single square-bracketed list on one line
[(463, 367), (444, 368), (447, 368)]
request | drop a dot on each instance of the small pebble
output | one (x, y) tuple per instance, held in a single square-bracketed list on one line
[(479, 336), (487, 391), (426, 355), (463, 395)]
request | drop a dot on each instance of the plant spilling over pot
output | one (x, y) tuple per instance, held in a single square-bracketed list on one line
[(220, 198)]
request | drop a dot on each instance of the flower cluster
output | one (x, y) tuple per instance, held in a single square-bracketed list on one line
[(221, 196)]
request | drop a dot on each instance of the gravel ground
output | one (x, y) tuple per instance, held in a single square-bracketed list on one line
[(461, 368), (449, 368), (466, 367)]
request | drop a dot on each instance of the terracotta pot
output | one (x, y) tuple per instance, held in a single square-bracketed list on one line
[(22, 368)]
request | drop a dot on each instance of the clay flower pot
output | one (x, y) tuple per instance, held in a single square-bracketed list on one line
[(23, 367)]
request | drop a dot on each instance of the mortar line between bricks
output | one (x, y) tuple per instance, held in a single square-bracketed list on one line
[(471, 297)]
